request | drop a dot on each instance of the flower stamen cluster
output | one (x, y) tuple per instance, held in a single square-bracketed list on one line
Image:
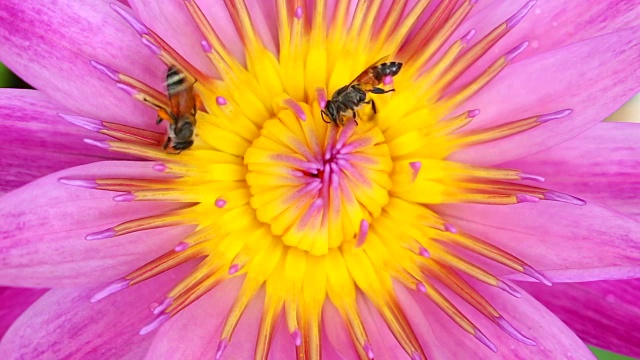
[(303, 212)]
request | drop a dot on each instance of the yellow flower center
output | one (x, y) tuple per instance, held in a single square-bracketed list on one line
[(314, 212), (314, 184)]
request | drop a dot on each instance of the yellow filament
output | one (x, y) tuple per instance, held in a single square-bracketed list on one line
[(397, 37)]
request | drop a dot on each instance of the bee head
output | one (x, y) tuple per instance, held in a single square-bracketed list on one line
[(184, 130), (330, 111)]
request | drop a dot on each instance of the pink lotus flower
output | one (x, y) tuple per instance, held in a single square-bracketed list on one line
[(417, 234)]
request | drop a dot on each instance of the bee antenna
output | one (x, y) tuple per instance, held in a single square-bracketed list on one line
[(322, 113)]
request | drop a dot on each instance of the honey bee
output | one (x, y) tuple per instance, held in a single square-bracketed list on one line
[(181, 115), (346, 100)]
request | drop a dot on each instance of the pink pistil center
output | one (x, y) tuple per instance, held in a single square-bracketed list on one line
[(316, 190)]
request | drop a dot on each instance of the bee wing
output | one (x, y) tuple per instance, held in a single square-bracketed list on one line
[(175, 102), (180, 91), (175, 83), (363, 75)]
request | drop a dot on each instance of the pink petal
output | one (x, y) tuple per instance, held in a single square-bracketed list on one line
[(412, 306), (383, 344), (50, 45), (602, 313), (553, 81), (448, 341), (566, 242), (336, 333), (67, 325), (35, 141), (264, 17), (283, 346), (172, 21), (551, 24), (602, 164), (14, 301), (43, 226), (195, 332)]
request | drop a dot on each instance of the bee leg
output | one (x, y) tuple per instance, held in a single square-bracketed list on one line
[(377, 90), (198, 104), (164, 115), (166, 143), (373, 105)]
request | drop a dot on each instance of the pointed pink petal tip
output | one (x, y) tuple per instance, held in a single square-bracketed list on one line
[(531, 177), (485, 340), (513, 332), (83, 122), (206, 46), (520, 14), (298, 13), (234, 269), (182, 246), (554, 115), (368, 349), (222, 346), (473, 113), (424, 253), (297, 337), (322, 97), (114, 75), (531, 272), (221, 100), (220, 203), (296, 108), (562, 197), (510, 55), (466, 39), (362, 234), (138, 26), (87, 184), (162, 306), (124, 197), (154, 324), (450, 228), (508, 289), (160, 167), (127, 89), (420, 287), (155, 49), (526, 198), (112, 288), (101, 235), (98, 143), (415, 166)]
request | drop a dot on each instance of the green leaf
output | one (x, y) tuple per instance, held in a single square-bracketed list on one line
[(605, 355)]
